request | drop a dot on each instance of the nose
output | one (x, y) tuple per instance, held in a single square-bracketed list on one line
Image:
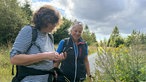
[(77, 33)]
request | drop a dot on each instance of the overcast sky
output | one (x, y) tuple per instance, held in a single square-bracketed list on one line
[(102, 15)]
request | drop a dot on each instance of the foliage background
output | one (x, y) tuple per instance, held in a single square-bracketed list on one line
[(11, 21)]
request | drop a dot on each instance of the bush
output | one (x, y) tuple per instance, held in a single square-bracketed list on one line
[(126, 64), (11, 21)]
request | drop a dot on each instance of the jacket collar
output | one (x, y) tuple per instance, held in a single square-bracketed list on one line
[(80, 40)]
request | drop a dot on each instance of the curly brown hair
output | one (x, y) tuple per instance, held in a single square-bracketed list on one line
[(44, 16)]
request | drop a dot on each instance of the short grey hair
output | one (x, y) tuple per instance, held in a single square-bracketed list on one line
[(74, 24)]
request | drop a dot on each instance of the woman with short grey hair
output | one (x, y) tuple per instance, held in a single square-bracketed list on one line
[(76, 64)]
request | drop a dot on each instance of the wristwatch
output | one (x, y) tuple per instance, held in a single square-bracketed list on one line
[(90, 76)]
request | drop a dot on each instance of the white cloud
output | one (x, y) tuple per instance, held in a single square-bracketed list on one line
[(103, 15)]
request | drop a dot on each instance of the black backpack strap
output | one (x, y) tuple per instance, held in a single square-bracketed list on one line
[(34, 37), (51, 37), (66, 45)]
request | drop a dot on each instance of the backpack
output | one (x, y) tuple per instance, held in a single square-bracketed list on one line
[(66, 42)]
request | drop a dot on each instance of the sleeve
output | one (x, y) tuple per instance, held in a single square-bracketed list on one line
[(22, 41), (60, 46), (14, 52)]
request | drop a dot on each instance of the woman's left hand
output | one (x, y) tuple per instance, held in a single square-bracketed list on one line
[(61, 57)]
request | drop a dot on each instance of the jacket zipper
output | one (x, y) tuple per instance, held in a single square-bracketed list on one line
[(75, 69), (76, 56)]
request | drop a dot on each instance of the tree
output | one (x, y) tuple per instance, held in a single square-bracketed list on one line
[(88, 36), (62, 32), (115, 39), (11, 21), (134, 37), (143, 38), (93, 37), (27, 10)]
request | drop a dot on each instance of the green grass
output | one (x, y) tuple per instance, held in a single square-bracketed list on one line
[(5, 66)]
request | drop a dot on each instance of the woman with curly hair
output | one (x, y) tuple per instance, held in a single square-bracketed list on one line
[(34, 60)]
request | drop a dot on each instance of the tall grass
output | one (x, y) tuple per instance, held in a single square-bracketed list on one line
[(122, 64), (5, 66), (92, 48)]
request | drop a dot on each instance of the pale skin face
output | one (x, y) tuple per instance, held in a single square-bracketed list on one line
[(76, 32), (49, 28)]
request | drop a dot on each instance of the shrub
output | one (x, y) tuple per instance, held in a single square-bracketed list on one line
[(122, 64)]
